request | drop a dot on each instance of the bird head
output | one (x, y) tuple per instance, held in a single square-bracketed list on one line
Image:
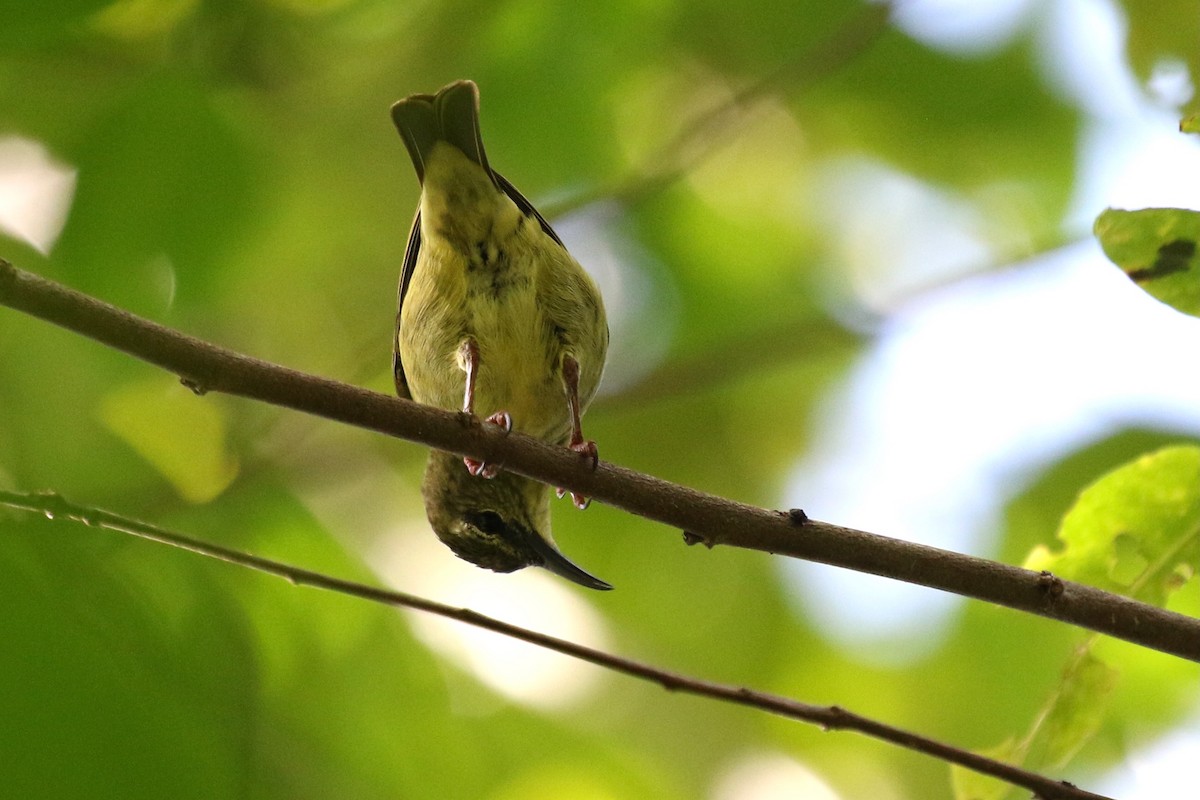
[(501, 524)]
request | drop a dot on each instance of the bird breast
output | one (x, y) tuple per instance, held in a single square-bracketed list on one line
[(478, 275)]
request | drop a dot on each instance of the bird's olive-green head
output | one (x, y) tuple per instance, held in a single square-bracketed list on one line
[(501, 524)]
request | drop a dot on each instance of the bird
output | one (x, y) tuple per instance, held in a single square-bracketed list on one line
[(496, 319)]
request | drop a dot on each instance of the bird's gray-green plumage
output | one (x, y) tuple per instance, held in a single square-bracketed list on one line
[(484, 269)]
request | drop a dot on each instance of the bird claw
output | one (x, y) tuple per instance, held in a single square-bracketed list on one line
[(578, 500), (502, 420), (480, 469), (589, 451)]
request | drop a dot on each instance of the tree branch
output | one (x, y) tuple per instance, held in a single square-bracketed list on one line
[(53, 506), (705, 518)]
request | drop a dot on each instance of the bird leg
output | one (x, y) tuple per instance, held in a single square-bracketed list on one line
[(586, 448), (468, 360)]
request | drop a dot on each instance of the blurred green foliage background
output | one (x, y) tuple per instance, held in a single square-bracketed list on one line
[(236, 176)]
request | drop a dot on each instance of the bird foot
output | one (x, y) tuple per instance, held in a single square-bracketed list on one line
[(502, 420), (588, 450), (479, 469)]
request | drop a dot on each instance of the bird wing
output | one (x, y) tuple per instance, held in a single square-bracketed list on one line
[(406, 272), (526, 207)]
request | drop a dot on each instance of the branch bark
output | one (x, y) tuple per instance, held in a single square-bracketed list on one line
[(828, 717), (705, 518)]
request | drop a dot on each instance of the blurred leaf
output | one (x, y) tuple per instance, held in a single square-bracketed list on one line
[(1161, 32), (1190, 124), (182, 436), (906, 95), (1156, 247), (1135, 531), (25, 25), (165, 188), (970, 785), (124, 671), (554, 783), (1071, 716), (1075, 712), (133, 20)]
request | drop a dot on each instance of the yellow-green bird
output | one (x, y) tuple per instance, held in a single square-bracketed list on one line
[(495, 318)]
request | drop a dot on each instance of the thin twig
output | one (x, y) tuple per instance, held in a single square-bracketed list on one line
[(54, 506), (788, 343), (706, 518), (795, 341), (707, 130), (798, 341)]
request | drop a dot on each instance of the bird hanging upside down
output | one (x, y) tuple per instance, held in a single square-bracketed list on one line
[(495, 318)]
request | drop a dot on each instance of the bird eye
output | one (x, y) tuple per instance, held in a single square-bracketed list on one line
[(488, 522)]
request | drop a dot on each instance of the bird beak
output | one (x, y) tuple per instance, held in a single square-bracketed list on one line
[(563, 567)]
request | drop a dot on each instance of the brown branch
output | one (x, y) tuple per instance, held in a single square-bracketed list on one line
[(706, 518), (53, 506)]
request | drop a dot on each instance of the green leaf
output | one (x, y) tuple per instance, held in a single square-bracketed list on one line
[(32, 25), (126, 671), (1136, 530), (1157, 249), (1190, 124), (182, 436), (148, 237), (134, 20), (1162, 33), (970, 785), (1069, 718), (1077, 710)]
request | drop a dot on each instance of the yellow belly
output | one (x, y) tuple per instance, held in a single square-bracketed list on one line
[(487, 272), (519, 358)]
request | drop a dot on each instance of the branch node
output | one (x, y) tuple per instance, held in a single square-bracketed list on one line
[(796, 516), (690, 539), (196, 386), (52, 504), (671, 683), (1050, 584), (835, 719)]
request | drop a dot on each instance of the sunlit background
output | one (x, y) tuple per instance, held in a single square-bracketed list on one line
[(869, 291)]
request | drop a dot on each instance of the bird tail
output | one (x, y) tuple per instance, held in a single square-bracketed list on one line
[(451, 115)]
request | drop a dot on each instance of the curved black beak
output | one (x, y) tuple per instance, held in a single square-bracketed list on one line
[(563, 567)]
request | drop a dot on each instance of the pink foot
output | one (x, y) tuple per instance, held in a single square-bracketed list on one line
[(589, 451), (502, 420), (478, 468)]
